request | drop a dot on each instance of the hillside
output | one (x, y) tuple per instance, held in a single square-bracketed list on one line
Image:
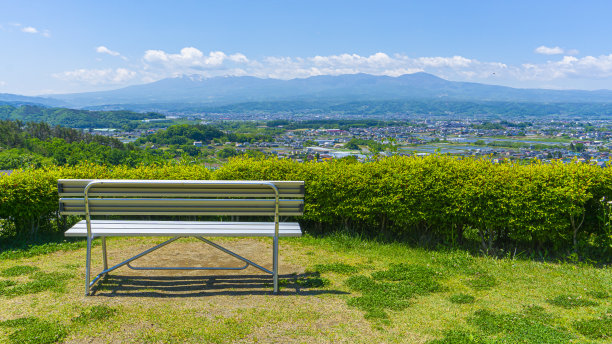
[(72, 118), (16, 100)]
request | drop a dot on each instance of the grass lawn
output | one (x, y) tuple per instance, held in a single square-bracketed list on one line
[(333, 289)]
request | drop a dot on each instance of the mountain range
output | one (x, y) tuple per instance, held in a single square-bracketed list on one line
[(17, 100), (185, 91)]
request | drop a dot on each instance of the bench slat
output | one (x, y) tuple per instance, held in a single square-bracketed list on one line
[(180, 202), (174, 193), (209, 188), (135, 206), (185, 213), (175, 224), (184, 228)]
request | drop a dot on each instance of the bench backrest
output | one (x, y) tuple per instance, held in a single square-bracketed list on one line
[(180, 197)]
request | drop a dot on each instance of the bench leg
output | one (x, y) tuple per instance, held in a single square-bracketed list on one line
[(87, 265), (106, 270), (275, 264), (88, 262), (104, 253)]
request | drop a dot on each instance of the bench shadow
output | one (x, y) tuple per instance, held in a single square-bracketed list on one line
[(197, 286)]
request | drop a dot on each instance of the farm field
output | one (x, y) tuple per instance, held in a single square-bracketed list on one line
[(333, 289)]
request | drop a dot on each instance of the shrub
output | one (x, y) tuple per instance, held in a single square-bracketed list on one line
[(433, 199), (29, 198)]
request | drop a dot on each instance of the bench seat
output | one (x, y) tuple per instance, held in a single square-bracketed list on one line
[(100, 228)]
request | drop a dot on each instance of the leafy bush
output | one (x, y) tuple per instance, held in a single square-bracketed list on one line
[(29, 198), (429, 200)]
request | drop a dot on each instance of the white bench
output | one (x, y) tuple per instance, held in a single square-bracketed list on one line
[(180, 198)]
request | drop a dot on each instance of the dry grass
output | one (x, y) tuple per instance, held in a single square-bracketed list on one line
[(313, 306)]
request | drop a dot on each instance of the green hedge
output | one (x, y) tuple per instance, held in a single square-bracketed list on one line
[(448, 199), (432, 199)]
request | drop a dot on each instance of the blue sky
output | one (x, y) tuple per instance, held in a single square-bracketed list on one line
[(77, 46)]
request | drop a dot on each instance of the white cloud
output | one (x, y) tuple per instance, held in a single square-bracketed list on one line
[(104, 50), (377, 64), (155, 55), (190, 57), (588, 67), (401, 71), (549, 51), (377, 59), (159, 64), (29, 29), (2, 83), (240, 58), (438, 62), (26, 29), (98, 76)]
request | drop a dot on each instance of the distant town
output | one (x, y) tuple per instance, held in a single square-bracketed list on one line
[(299, 139)]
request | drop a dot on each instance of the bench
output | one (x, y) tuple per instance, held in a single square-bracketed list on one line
[(185, 200)]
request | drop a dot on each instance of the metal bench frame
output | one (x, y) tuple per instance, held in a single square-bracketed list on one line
[(90, 236)]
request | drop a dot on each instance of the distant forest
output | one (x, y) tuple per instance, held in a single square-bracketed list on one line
[(75, 118), (34, 145)]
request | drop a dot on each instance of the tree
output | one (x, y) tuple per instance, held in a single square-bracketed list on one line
[(191, 150), (227, 152)]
